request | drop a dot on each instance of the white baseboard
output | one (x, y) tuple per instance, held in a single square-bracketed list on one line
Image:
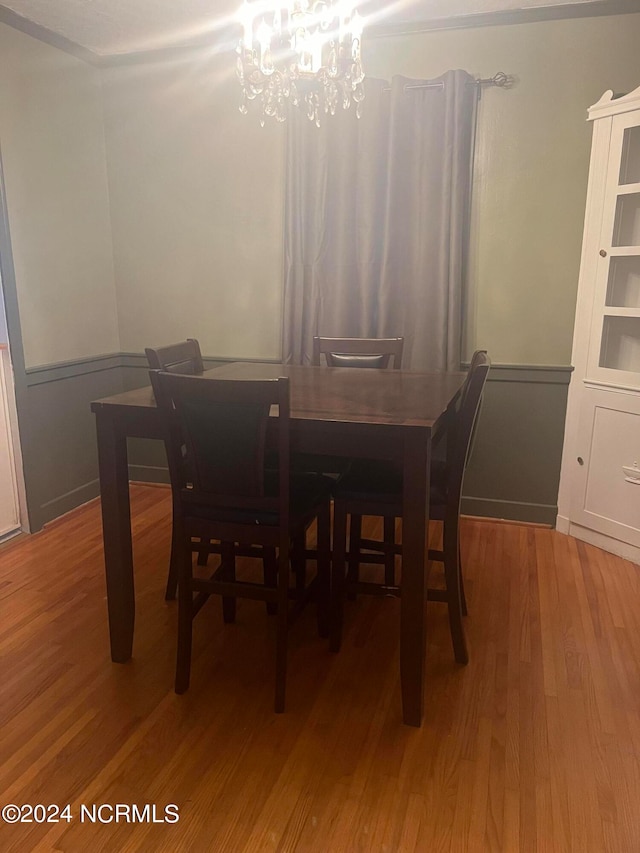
[(607, 543)]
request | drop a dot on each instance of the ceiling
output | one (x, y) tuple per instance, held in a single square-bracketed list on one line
[(115, 27)]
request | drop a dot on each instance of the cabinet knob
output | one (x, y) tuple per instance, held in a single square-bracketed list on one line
[(580, 460), (603, 253)]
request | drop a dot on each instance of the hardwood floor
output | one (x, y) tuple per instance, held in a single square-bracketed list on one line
[(533, 746)]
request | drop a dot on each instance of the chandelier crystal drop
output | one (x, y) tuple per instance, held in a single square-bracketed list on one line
[(304, 52)]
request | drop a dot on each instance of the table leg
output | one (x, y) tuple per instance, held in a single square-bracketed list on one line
[(415, 503), (116, 532)]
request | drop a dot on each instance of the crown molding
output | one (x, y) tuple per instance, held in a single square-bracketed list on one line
[(36, 31), (43, 34), (597, 8)]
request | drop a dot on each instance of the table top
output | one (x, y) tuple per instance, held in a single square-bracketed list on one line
[(342, 394)]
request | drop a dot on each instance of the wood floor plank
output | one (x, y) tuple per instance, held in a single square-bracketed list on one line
[(534, 746)]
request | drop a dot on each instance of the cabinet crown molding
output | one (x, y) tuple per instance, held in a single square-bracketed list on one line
[(610, 104)]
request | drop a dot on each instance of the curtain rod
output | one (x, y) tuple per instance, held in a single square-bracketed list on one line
[(501, 80)]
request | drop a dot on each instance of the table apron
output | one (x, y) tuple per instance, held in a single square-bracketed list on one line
[(130, 422), (350, 440), (355, 441)]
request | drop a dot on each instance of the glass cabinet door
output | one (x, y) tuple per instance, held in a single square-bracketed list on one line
[(614, 355)]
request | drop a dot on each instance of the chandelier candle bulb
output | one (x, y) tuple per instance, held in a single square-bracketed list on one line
[(356, 33), (302, 52), (316, 53), (264, 40)]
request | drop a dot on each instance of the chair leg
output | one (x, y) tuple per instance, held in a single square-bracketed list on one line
[(282, 630), (228, 557), (463, 598), (338, 574), (323, 583), (355, 547), (203, 553), (174, 567), (185, 622), (452, 580), (389, 551), (299, 561), (270, 563), (172, 580)]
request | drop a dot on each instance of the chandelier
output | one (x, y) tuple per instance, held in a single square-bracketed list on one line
[(301, 51)]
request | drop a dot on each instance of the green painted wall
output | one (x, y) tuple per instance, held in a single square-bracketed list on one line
[(195, 191), (532, 162), (55, 174), (197, 195)]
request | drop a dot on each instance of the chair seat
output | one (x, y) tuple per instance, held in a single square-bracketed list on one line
[(383, 481), (319, 463), (306, 492), (314, 463)]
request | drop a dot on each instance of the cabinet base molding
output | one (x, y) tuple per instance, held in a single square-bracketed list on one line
[(600, 540)]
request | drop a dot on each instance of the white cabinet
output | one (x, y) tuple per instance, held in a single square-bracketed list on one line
[(599, 497)]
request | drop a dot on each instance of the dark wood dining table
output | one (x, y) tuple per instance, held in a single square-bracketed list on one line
[(350, 412)]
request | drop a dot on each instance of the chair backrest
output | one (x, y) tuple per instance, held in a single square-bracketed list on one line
[(462, 426), (184, 358), (216, 440), (358, 352), (476, 359)]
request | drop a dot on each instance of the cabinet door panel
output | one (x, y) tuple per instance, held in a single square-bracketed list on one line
[(605, 499), (623, 288), (614, 354)]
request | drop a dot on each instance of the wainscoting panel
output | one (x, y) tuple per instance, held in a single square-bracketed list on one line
[(514, 469), (513, 473), (59, 436)]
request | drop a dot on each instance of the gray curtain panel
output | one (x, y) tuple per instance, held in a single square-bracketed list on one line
[(376, 221)]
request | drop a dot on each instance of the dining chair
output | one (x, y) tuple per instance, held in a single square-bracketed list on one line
[(374, 353), (348, 352), (226, 493), (184, 357), (389, 547), (376, 489), (358, 352)]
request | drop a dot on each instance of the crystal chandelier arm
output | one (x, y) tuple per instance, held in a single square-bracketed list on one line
[(297, 43)]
